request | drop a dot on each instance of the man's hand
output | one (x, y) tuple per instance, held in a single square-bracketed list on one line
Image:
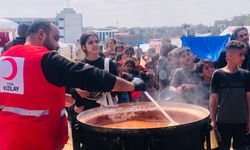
[(189, 86), (213, 105), (139, 84), (213, 124), (82, 93)]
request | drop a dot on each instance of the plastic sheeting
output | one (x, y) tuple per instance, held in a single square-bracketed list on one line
[(208, 47)]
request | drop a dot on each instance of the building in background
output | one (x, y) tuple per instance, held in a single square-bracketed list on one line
[(105, 33), (70, 25), (68, 21)]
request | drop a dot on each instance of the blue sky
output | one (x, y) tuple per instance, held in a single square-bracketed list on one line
[(131, 13)]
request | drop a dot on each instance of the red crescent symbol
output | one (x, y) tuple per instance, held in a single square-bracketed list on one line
[(14, 68)]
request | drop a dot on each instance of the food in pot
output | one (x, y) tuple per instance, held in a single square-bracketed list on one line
[(139, 119)]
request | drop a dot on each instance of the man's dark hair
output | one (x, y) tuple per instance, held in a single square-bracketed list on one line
[(235, 45), (165, 49), (182, 50), (39, 24), (22, 30), (236, 31)]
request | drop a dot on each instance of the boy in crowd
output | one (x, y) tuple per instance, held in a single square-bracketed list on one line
[(230, 99), (164, 69), (185, 79), (205, 68)]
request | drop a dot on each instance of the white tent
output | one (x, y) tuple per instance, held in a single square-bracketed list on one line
[(8, 26)]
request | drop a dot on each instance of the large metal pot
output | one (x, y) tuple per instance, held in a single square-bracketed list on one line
[(95, 133)]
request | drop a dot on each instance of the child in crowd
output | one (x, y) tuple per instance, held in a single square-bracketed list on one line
[(129, 51), (174, 60), (153, 62), (151, 51), (121, 56), (119, 50), (130, 68), (230, 99), (152, 66), (148, 78), (138, 66), (123, 97), (130, 73), (164, 68), (205, 68), (110, 48), (185, 79)]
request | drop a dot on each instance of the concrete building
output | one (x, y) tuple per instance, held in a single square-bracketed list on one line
[(105, 33), (70, 25), (68, 21)]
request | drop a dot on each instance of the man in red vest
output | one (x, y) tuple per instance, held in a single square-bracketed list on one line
[(33, 78)]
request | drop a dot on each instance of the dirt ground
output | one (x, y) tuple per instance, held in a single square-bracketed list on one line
[(69, 145)]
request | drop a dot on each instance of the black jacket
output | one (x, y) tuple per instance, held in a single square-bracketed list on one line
[(16, 41)]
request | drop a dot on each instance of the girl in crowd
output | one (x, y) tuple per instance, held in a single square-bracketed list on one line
[(119, 50), (130, 73), (84, 100), (110, 48), (123, 97), (90, 45), (129, 51), (130, 68), (121, 57)]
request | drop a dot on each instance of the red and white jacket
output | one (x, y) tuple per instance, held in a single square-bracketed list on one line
[(32, 115)]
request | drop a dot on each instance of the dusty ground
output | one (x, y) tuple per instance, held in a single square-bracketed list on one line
[(69, 145)]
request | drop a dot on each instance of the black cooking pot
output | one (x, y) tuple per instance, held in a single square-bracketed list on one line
[(189, 134)]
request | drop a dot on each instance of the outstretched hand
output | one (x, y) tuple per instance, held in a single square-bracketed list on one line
[(139, 84), (82, 93)]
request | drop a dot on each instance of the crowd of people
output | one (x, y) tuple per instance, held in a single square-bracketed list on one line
[(175, 70), (116, 75), (221, 86)]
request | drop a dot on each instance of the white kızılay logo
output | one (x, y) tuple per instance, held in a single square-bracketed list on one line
[(11, 75)]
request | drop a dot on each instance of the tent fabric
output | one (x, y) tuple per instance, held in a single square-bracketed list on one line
[(208, 47), (7, 24)]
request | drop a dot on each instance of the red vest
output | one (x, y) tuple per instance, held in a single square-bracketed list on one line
[(31, 109)]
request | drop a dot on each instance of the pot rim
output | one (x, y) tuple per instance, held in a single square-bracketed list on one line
[(169, 129)]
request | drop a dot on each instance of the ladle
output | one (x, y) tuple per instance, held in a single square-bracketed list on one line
[(172, 122)]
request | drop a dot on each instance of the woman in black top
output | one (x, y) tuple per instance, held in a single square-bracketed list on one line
[(90, 45)]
